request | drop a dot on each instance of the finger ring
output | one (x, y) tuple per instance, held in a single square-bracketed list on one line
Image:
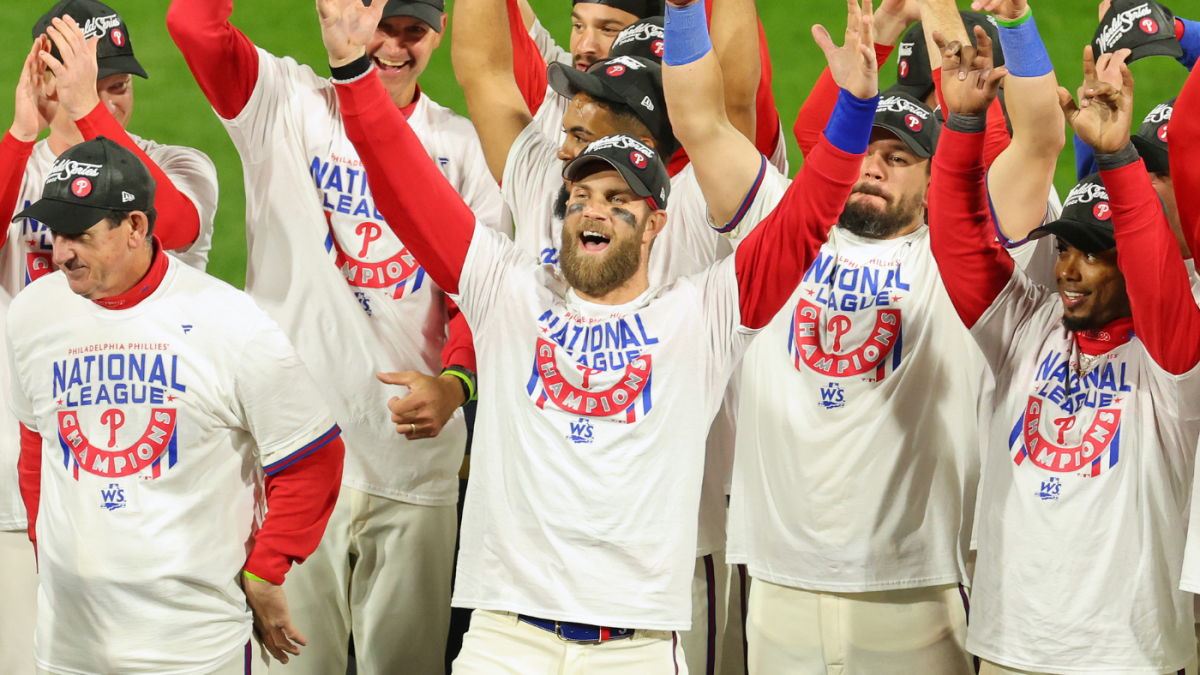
[(413, 428)]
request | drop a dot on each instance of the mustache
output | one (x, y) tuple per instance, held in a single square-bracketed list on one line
[(872, 190)]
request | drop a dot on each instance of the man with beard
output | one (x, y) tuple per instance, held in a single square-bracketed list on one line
[(857, 452), (1093, 436), (580, 525)]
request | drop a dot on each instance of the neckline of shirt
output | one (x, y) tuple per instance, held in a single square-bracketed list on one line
[(1105, 338), (144, 288)]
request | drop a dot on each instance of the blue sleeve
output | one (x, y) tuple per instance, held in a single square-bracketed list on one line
[(1188, 33), (849, 127), (1085, 160)]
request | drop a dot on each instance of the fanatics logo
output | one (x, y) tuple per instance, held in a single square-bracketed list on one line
[(1162, 133), (81, 187), (638, 159), (1149, 26), (912, 122), (615, 70), (117, 37), (1102, 211)]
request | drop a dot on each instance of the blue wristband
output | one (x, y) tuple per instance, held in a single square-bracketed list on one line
[(849, 127), (1024, 53), (1190, 41), (685, 34)]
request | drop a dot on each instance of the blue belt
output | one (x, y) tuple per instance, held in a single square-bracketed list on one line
[(578, 632)]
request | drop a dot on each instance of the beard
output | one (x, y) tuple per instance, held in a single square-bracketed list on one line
[(869, 222), (1077, 324), (560, 202), (599, 275)]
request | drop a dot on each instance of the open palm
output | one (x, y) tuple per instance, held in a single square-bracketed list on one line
[(853, 65), (1104, 116), (346, 27)]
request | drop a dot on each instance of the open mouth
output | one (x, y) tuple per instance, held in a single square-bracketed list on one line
[(1073, 299), (592, 241), (389, 66)]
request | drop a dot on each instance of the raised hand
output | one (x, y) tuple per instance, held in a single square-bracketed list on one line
[(969, 82), (27, 120), (1009, 10), (346, 28), (76, 74), (853, 65), (1104, 116), (272, 619), (893, 18)]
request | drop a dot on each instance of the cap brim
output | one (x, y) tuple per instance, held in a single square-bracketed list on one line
[(567, 81), (576, 167), (1086, 238), (64, 217), (1165, 47), (119, 65), (1156, 159), (917, 91), (418, 10), (907, 138)]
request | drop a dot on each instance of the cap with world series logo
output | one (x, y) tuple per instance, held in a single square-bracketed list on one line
[(640, 166), (114, 49), (87, 183), (1144, 27), (634, 81), (642, 39), (429, 11), (913, 73), (911, 120), (1151, 138), (1086, 220), (639, 8)]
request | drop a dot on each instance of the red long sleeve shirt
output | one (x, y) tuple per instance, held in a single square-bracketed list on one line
[(1185, 171)]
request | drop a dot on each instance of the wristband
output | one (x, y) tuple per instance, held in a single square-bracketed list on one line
[(250, 575), (850, 124), (685, 34), (1024, 52), (353, 70), (1123, 157), (1188, 34), (467, 378), (967, 124)]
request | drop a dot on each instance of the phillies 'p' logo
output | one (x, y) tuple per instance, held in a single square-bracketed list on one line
[(1162, 133), (615, 70), (81, 187), (657, 48), (1102, 211), (903, 67), (117, 37), (839, 325), (638, 159), (912, 122), (115, 419), (1149, 26), (369, 232)]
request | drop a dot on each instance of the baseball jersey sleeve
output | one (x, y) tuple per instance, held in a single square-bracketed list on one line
[(528, 62), (277, 400), (759, 202), (14, 155)]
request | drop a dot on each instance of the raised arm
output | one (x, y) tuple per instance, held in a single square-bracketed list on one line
[(1023, 175), (1185, 170), (17, 144), (483, 65), (222, 59), (740, 61), (529, 64), (973, 265)]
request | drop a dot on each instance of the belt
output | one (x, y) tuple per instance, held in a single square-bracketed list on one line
[(578, 632)]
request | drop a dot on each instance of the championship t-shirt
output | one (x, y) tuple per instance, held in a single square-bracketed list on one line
[(27, 256), (156, 422), (326, 266), (583, 508), (1084, 511), (857, 450)]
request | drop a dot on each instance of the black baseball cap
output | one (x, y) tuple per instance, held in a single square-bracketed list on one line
[(1145, 27), (429, 11), (1086, 220), (1151, 138), (114, 49), (640, 166), (639, 8), (910, 119), (633, 81), (913, 74), (87, 183), (643, 38)]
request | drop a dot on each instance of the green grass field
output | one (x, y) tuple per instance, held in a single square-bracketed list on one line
[(171, 109)]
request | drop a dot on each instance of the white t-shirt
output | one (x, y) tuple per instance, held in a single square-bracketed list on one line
[(857, 451), (156, 423), (27, 256), (1081, 539), (326, 266), (549, 116), (583, 505)]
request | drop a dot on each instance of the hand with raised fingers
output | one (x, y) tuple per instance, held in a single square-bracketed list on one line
[(428, 406), (27, 118), (853, 65), (346, 28), (969, 81), (75, 71), (1104, 116), (1009, 10), (893, 18), (272, 619)]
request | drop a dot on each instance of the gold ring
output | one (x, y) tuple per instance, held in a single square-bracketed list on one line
[(414, 428)]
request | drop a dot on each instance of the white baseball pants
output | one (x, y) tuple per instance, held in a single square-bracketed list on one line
[(250, 659), (919, 631), (382, 571), (18, 603), (733, 654), (989, 668), (499, 644), (703, 644)]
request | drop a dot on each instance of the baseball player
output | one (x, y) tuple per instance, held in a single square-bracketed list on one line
[(1094, 433), (162, 411), (82, 87), (869, 323), (350, 295), (563, 543)]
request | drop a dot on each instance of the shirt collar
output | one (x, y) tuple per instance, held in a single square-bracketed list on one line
[(1107, 337), (143, 288)]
